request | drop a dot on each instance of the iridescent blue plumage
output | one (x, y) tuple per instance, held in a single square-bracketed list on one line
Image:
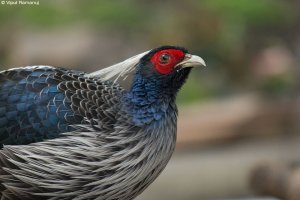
[(32, 108), (145, 102)]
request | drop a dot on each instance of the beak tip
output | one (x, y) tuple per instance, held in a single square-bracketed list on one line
[(203, 63), (196, 61)]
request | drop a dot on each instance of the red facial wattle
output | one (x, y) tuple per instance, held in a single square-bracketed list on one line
[(165, 60)]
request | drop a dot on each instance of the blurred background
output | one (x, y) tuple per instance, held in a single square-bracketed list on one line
[(239, 118)]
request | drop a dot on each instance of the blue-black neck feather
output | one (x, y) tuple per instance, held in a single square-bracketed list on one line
[(146, 102), (152, 95)]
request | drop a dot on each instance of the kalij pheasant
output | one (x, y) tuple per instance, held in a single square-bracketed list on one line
[(67, 134)]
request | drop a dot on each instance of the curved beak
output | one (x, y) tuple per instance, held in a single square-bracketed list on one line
[(191, 61)]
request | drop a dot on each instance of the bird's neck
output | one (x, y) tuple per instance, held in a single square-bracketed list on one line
[(148, 100)]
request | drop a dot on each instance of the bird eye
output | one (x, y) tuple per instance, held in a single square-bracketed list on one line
[(164, 58)]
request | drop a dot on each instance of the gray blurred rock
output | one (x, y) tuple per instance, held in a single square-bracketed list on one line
[(218, 173)]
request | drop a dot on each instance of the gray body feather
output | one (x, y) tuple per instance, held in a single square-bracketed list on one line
[(89, 165)]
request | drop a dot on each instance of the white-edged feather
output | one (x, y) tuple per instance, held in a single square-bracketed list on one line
[(118, 70), (29, 67)]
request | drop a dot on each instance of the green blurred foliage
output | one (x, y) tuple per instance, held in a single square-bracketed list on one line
[(228, 34), (61, 13), (275, 86), (193, 90), (257, 12)]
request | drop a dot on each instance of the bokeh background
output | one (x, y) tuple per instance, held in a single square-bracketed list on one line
[(239, 118)]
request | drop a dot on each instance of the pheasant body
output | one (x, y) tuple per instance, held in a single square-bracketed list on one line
[(73, 135)]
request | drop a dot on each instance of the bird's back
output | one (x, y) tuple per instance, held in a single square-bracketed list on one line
[(40, 102)]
